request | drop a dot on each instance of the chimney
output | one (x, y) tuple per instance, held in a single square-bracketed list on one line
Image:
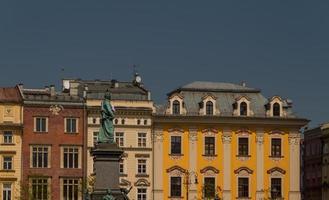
[(243, 84), (52, 90)]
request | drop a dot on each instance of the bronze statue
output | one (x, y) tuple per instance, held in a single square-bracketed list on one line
[(108, 195), (106, 132)]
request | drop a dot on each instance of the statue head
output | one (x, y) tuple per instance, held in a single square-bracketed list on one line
[(109, 191), (107, 95)]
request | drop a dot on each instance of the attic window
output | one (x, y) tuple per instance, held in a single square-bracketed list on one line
[(176, 107), (276, 109), (243, 109), (209, 108)]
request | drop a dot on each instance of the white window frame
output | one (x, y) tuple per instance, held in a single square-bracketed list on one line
[(143, 139), (35, 124), (143, 166), (68, 179), (277, 174), (49, 155), (6, 164), (76, 125), (5, 137), (79, 156), (48, 185), (7, 190), (119, 138), (143, 188)]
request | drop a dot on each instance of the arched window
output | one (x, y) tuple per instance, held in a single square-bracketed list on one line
[(276, 109), (243, 109), (209, 108), (176, 107)]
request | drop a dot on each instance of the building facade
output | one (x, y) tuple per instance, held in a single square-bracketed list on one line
[(227, 141), (53, 143), (325, 161), (10, 142), (133, 122)]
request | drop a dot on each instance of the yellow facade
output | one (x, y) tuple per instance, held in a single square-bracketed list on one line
[(239, 126), (10, 148)]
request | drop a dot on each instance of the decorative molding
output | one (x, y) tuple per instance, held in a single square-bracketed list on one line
[(226, 139), (260, 139), (176, 156), (209, 168), (142, 183), (276, 169), (243, 158), (56, 109), (240, 169), (243, 132), (209, 157), (210, 132), (141, 155), (193, 136), (125, 182), (294, 139), (176, 171), (276, 131), (176, 130), (157, 136)]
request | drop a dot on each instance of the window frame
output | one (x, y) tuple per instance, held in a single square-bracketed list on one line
[(176, 107), (274, 145), (76, 159), (141, 140), (207, 146), (179, 194), (243, 112), (171, 145), (7, 192), (68, 122), (248, 147), (119, 137), (275, 112), (44, 184), (143, 195), (204, 190), (74, 185), (8, 135), (7, 164), (207, 109), (141, 166), (280, 194), (243, 192), (39, 128), (42, 154)]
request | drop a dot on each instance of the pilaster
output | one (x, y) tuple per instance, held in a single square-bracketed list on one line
[(260, 164), (157, 139), (294, 165), (226, 139), (193, 138)]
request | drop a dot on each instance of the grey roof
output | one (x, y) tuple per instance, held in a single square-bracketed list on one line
[(226, 95), (44, 95), (217, 86)]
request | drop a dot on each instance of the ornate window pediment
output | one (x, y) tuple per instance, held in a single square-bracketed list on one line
[(243, 132), (125, 183), (209, 132), (208, 105), (176, 130), (276, 170), (176, 171), (142, 183), (209, 170), (276, 132), (243, 171), (274, 107), (241, 107), (176, 105)]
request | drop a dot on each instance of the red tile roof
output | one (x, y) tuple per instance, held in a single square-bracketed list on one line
[(10, 95)]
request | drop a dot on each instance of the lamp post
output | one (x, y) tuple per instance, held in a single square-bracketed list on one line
[(187, 182)]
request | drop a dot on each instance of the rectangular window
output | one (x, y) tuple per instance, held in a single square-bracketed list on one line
[(71, 125), (6, 191), (70, 189), (40, 156), (41, 124), (141, 193), (119, 139), (141, 168), (276, 188), (276, 147), (175, 187), (121, 167), (243, 147), (95, 137), (71, 157), (7, 162), (141, 139), (176, 145), (209, 187), (209, 143), (243, 187), (8, 137), (40, 188)]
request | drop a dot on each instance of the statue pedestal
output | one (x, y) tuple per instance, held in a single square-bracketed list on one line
[(106, 168)]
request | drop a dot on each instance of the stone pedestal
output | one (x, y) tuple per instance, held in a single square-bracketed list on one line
[(106, 168)]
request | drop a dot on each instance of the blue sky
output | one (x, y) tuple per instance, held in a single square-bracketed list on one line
[(281, 47)]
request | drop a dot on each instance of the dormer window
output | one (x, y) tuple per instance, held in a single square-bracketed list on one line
[(176, 107), (243, 109), (276, 109), (209, 108)]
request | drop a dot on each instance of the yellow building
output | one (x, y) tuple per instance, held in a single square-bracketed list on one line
[(226, 141), (10, 142)]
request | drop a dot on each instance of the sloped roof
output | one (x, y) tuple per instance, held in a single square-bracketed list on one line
[(10, 95)]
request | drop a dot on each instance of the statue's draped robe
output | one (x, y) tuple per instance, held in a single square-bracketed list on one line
[(106, 131)]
